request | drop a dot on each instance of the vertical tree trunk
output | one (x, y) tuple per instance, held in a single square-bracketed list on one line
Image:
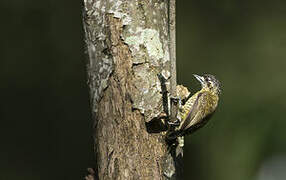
[(128, 45)]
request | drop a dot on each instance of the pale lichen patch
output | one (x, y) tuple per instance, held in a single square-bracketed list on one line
[(147, 83), (117, 9), (150, 39)]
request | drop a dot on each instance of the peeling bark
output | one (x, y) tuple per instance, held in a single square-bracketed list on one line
[(127, 46)]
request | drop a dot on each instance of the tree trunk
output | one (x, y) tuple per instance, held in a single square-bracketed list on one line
[(128, 46)]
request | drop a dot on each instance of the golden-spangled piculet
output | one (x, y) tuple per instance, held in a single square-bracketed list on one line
[(195, 112)]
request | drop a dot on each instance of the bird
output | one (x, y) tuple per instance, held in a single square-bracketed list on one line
[(196, 110)]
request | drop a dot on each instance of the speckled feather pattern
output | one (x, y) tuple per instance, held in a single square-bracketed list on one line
[(193, 112)]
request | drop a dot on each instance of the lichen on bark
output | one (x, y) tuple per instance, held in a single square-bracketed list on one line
[(146, 34), (127, 46)]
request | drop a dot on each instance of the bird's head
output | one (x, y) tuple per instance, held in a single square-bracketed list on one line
[(209, 82)]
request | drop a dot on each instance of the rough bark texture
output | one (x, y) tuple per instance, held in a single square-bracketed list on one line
[(172, 47), (127, 46)]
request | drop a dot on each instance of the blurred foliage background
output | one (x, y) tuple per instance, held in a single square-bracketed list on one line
[(44, 110)]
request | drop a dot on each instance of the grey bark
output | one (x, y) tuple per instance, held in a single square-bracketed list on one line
[(172, 47), (128, 46)]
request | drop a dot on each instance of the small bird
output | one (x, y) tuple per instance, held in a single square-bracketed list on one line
[(197, 109)]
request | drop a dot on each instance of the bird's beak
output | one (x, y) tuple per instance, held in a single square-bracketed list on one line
[(199, 78)]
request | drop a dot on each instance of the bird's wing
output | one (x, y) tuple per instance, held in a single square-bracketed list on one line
[(197, 112)]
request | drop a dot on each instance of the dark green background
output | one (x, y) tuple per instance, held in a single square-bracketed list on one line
[(44, 110)]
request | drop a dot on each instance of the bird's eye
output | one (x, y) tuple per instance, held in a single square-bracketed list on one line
[(209, 83)]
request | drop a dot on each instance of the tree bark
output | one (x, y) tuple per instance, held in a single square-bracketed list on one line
[(128, 46), (172, 49)]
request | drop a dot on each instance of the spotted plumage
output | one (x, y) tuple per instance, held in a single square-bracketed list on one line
[(197, 110)]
